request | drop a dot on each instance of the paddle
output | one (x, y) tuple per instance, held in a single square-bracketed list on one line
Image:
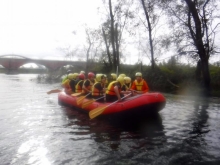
[(81, 98), (76, 94), (90, 102), (54, 91), (97, 111)]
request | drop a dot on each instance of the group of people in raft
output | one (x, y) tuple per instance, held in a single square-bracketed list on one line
[(97, 86)]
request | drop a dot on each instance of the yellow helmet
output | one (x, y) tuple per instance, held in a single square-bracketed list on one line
[(114, 76), (99, 77), (72, 76), (122, 75), (138, 74), (127, 80), (121, 80)]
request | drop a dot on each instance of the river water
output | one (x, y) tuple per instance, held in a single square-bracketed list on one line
[(35, 130)]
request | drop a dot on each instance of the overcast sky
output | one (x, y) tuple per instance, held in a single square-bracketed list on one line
[(38, 28)]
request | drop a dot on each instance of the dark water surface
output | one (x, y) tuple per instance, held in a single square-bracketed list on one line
[(34, 129)]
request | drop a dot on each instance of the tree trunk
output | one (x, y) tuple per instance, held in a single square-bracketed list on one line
[(198, 41), (87, 57), (117, 46), (107, 49), (112, 35), (150, 35)]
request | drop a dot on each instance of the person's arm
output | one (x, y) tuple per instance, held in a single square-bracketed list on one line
[(100, 88), (117, 92), (145, 87), (133, 86), (85, 85)]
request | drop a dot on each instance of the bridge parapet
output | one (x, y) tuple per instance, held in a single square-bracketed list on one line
[(15, 63)]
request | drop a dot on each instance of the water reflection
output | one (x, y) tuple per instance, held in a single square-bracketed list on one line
[(111, 131), (199, 125), (31, 152)]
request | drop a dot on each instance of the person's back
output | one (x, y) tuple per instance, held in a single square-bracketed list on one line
[(113, 91), (72, 82), (98, 89), (79, 83), (66, 77), (112, 78), (88, 83), (67, 84)]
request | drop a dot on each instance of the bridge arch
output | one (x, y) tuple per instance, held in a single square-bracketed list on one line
[(14, 55), (11, 63)]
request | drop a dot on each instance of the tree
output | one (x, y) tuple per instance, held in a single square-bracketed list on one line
[(151, 19), (93, 42), (193, 31), (112, 30)]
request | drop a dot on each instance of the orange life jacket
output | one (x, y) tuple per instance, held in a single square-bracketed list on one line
[(78, 87), (139, 85), (66, 84), (89, 87), (95, 91), (110, 90)]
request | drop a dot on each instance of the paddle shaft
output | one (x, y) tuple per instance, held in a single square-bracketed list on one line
[(99, 110), (54, 91), (117, 100), (81, 98)]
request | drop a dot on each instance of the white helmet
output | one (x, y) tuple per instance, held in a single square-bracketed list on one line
[(138, 74)]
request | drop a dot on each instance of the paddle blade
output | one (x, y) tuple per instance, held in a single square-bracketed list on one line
[(96, 112), (80, 99), (75, 94), (88, 103), (54, 91)]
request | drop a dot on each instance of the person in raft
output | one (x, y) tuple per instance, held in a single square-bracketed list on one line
[(112, 78), (88, 84), (139, 86), (79, 83), (67, 84), (98, 89), (72, 82), (127, 84), (66, 77), (114, 92)]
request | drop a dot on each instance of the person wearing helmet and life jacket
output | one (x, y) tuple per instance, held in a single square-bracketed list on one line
[(139, 85), (72, 82), (123, 86), (114, 91), (127, 84), (67, 84), (66, 77), (79, 83), (88, 83), (113, 77), (98, 89)]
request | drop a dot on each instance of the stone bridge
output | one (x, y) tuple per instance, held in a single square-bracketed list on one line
[(14, 62)]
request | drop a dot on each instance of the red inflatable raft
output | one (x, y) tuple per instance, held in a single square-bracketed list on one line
[(135, 105)]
